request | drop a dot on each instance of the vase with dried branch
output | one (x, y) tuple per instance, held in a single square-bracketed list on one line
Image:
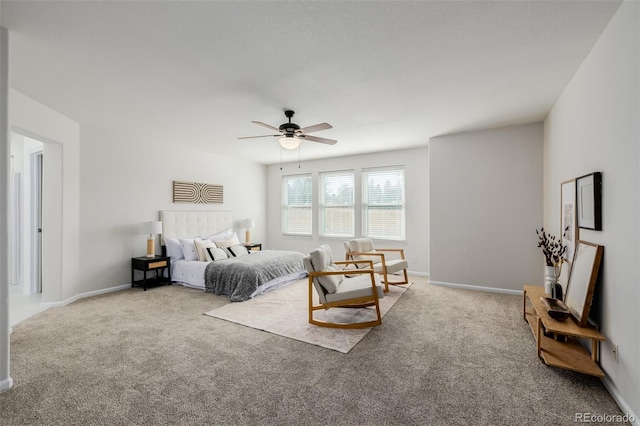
[(553, 251)]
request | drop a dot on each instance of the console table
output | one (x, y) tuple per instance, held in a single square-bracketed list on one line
[(568, 354)]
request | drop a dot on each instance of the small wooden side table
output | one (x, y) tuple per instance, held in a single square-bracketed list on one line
[(568, 354), (251, 246), (146, 264)]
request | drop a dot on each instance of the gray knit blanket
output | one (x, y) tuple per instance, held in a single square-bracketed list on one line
[(240, 277)]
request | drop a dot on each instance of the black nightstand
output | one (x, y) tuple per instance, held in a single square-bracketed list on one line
[(146, 264), (251, 246)]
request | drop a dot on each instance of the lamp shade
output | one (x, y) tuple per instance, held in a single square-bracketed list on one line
[(152, 227), (248, 223), (289, 142)]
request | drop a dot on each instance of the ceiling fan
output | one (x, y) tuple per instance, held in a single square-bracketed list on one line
[(291, 134)]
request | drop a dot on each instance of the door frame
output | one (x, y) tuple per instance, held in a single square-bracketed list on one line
[(37, 158)]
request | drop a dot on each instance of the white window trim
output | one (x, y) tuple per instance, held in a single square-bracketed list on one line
[(322, 205), (365, 204), (286, 207)]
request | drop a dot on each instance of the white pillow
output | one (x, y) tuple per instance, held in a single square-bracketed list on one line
[(189, 248), (238, 250), (174, 249), (221, 236), (217, 253), (233, 241), (201, 248)]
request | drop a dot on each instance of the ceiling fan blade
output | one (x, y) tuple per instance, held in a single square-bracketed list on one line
[(260, 123), (263, 136), (317, 139), (316, 128)]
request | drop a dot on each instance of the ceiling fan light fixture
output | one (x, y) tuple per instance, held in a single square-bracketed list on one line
[(289, 142), (291, 135)]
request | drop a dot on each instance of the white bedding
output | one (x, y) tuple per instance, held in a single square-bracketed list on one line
[(186, 224), (190, 273)]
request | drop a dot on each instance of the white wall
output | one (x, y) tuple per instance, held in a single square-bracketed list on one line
[(61, 201), (99, 184), (127, 179), (415, 162), (594, 126), (5, 379), (486, 203)]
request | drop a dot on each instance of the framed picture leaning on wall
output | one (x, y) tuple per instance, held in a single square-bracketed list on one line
[(582, 280)]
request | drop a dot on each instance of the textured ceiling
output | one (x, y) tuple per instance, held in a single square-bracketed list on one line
[(386, 75)]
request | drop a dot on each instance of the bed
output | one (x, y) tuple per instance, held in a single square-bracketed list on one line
[(239, 278)]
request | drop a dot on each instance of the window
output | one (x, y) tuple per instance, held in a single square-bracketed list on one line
[(383, 209), (296, 208), (336, 204)]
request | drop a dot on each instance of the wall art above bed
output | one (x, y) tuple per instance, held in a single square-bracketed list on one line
[(197, 193)]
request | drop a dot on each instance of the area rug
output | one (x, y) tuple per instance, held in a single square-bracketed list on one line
[(285, 312)]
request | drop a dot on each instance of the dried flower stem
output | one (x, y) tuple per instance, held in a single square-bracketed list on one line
[(552, 249)]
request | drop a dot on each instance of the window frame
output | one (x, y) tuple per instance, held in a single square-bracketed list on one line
[(286, 207), (322, 205), (366, 205)]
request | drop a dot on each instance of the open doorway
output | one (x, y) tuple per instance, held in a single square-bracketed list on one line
[(25, 224)]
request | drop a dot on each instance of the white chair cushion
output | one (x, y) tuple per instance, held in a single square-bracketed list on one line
[(393, 266), (362, 245), (358, 286), (319, 289), (321, 260)]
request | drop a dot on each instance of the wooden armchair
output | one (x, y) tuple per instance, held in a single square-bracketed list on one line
[(361, 249), (360, 290)]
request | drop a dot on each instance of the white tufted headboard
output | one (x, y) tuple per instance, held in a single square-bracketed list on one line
[(194, 223)]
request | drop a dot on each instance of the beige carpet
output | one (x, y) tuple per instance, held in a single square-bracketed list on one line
[(442, 357), (285, 312)]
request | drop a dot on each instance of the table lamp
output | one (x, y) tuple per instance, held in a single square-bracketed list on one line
[(151, 228), (248, 223)]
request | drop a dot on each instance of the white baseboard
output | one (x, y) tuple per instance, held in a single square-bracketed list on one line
[(626, 409), (418, 274), (476, 287), (83, 295), (6, 384)]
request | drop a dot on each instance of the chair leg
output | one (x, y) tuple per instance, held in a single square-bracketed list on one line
[(406, 279), (357, 325), (362, 304), (366, 324), (386, 279)]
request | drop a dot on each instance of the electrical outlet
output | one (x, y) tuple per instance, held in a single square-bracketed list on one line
[(616, 351), (414, 260)]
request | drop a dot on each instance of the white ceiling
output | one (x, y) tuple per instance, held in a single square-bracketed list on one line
[(386, 75)]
